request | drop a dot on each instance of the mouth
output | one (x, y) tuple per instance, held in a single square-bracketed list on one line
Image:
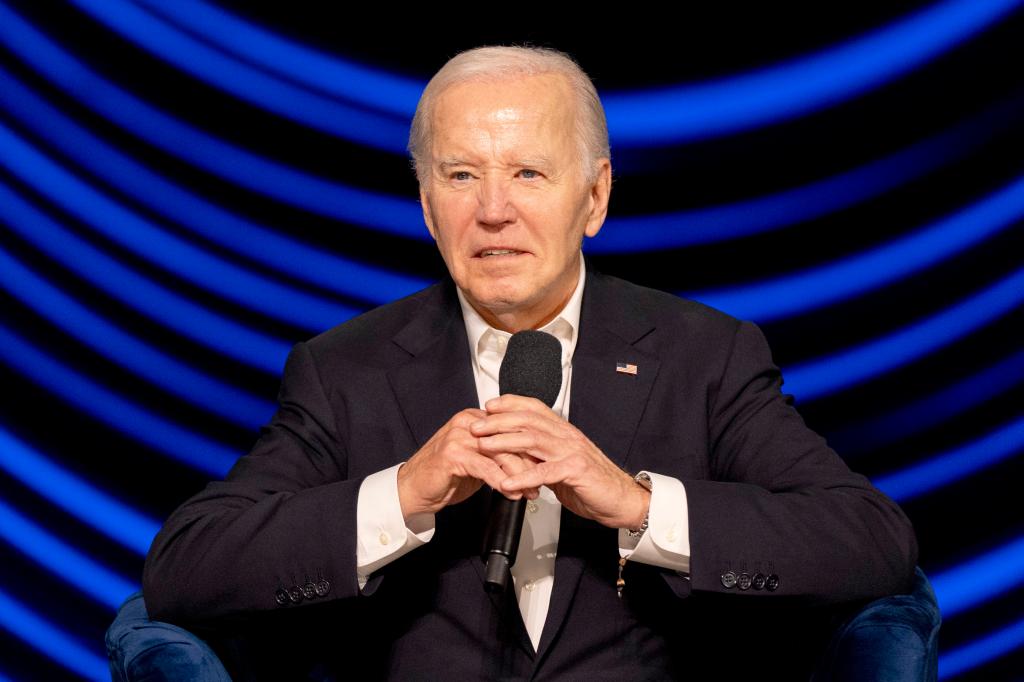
[(498, 253)]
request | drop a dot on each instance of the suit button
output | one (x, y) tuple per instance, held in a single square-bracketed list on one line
[(729, 579), (322, 588), (309, 590), (771, 583), (295, 594), (758, 581), (281, 597), (743, 582)]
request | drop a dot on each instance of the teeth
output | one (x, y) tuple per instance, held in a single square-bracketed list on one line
[(499, 252)]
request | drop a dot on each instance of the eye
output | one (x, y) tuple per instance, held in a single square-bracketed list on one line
[(461, 176), (529, 174)]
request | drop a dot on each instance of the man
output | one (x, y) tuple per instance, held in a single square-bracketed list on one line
[(351, 533)]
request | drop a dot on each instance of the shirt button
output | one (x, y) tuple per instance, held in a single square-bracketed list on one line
[(671, 535), (531, 506), (529, 586), (384, 538)]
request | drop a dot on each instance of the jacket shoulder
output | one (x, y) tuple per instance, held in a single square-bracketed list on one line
[(667, 310), (368, 336)]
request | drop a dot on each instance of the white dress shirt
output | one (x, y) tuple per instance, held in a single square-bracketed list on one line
[(383, 535)]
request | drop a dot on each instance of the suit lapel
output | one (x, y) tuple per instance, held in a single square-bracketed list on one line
[(437, 381), (606, 405)]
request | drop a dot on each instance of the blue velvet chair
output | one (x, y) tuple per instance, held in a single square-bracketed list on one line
[(892, 639)]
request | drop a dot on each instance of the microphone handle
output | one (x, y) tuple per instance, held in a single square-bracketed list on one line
[(504, 526)]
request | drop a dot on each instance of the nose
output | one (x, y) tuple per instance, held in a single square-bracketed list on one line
[(495, 206)]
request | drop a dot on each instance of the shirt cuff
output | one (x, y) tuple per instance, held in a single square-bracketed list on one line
[(382, 535), (666, 542)]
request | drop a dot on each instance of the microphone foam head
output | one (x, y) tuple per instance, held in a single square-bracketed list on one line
[(532, 366)]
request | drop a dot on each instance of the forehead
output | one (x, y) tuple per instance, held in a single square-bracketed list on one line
[(519, 112)]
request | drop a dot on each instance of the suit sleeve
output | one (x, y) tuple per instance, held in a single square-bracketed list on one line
[(781, 503), (278, 533)]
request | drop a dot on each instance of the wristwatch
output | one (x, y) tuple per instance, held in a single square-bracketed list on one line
[(644, 479)]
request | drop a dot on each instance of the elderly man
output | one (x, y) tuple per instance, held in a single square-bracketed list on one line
[(670, 463)]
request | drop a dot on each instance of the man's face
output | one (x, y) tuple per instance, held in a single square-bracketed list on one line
[(505, 197)]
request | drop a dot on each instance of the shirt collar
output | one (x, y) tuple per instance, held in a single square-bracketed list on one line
[(564, 326)]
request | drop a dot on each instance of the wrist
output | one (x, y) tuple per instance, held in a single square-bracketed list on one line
[(642, 505)]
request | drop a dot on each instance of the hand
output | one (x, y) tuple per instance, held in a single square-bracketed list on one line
[(449, 468), (581, 476)]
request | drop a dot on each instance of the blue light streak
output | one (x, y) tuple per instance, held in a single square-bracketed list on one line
[(980, 578), (123, 415), (402, 217), (47, 638), (116, 520), (982, 650), (158, 246), (194, 321), (64, 561), (776, 93), (858, 274), (262, 244), (954, 465), (215, 396), (648, 118), (239, 79), (931, 410), (373, 88), (822, 376), (712, 224)]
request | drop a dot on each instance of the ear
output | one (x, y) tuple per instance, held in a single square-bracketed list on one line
[(599, 193), (427, 214)]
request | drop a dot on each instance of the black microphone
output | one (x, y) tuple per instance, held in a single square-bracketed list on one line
[(532, 367)]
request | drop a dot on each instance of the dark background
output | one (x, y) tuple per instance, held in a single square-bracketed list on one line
[(944, 137)]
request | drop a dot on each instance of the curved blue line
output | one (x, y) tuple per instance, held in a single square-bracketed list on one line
[(982, 650), (712, 224), (370, 87), (64, 561), (980, 578), (121, 348), (955, 464), (123, 415), (402, 217), (822, 376), (690, 112), (44, 636), (237, 78), (648, 118), (933, 409), (263, 244), (854, 275), (158, 246), (152, 300), (89, 504)]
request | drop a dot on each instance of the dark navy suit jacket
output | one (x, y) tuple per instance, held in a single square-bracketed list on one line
[(268, 555)]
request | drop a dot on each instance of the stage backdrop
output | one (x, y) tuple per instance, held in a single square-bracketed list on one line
[(188, 188)]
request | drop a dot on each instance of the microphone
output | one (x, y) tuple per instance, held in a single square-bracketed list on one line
[(532, 367)]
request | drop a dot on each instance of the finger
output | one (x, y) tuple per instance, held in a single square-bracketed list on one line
[(507, 422), (488, 471), (466, 417), (545, 473), (510, 402), (521, 443), (513, 465)]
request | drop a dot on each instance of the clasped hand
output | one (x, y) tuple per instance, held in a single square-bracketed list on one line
[(517, 445)]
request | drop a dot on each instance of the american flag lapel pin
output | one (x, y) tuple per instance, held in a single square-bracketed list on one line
[(625, 368)]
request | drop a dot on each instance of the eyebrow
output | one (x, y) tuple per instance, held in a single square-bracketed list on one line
[(535, 162)]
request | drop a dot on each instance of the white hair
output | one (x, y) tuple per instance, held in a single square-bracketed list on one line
[(506, 62)]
